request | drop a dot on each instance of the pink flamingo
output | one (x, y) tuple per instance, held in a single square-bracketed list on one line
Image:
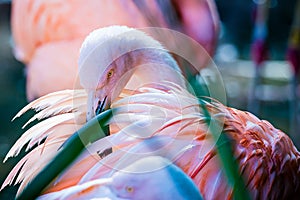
[(48, 41), (293, 56), (176, 130), (134, 182)]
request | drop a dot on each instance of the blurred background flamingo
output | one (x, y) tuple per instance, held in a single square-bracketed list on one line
[(52, 33), (178, 120), (260, 53)]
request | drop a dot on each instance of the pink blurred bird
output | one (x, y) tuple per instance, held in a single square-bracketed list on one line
[(154, 116), (48, 41)]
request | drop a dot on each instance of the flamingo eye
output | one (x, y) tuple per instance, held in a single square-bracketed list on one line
[(110, 73), (129, 189)]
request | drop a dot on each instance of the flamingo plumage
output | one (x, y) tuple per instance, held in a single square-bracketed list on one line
[(176, 130), (134, 182), (48, 41)]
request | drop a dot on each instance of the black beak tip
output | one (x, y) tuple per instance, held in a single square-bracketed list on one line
[(101, 106)]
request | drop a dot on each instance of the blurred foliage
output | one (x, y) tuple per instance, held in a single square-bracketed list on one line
[(238, 19)]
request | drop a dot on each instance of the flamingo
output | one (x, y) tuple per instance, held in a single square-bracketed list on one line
[(134, 182), (48, 41), (127, 70), (259, 52), (293, 56)]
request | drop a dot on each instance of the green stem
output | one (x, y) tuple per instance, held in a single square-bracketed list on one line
[(228, 161), (90, 132)]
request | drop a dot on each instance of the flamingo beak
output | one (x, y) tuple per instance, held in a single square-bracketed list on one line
[(95, 104), (93, 188)]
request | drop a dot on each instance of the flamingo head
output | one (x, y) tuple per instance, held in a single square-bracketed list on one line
[(153, 177), (106, 62)]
